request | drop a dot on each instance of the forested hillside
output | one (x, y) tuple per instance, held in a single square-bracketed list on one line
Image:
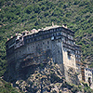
[(20, 15)]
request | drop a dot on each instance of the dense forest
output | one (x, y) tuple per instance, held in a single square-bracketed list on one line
[(20, 15)]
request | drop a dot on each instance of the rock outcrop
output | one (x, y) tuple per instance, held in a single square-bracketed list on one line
[(42, 77)]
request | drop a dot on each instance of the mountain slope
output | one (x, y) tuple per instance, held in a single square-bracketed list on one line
[(20, 15)]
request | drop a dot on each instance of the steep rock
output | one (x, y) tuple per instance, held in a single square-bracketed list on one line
[(47, 77)]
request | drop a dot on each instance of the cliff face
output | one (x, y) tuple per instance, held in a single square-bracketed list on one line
[(48, 76)]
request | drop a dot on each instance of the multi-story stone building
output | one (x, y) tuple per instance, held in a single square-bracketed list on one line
[(86, 75), (39, 46)]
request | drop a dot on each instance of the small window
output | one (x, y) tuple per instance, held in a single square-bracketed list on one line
[(57, 33), (66, 39), (58, 40), (28, 48), (17, 41), (68, 53), (23, 33), (20, 37), (58, 51), (47, 42), (47, 46)]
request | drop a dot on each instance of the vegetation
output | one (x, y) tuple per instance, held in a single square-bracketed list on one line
[(79, 88), (20, 15), (87, 88), (6, 87)]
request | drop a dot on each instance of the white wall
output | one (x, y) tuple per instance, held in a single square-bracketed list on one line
[(69, 61), (88, 73)]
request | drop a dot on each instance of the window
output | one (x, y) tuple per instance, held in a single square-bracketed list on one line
[(52, 34), (23, 33), (20, 37), (53, 60), (51, 30), (47, 42), (63, 39), (64, 34), (28, 49), (68, 53), (66, 39), (58, 51), (17, 41), (57, 29), (47, 46), (59, 34), (30, 40), (58, 40)]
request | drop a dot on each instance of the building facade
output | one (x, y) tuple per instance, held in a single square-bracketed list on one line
[(39, 46), (87, 75)]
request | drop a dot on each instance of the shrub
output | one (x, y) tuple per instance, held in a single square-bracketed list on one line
[(75, 89), (28, 9), (41, 65)]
